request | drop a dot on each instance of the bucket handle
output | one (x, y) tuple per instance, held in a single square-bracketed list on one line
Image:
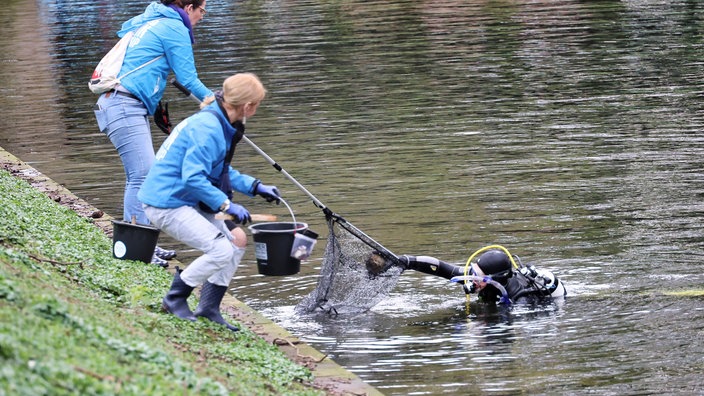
[(292, 215)]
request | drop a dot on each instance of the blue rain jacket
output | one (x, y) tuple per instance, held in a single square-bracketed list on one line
[(189, 161), (163, 33)]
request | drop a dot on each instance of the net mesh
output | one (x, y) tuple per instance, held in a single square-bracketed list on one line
[(346, 284)]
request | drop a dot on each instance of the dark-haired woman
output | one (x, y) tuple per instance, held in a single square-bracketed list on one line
[(162, 43)]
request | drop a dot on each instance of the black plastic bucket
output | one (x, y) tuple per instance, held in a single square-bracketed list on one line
[(272, 247), (133, 241)]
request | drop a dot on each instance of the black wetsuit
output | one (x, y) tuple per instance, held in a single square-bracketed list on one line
[(520, 288), (524, 286)]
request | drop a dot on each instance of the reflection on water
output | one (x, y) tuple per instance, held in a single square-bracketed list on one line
[(568, 131)]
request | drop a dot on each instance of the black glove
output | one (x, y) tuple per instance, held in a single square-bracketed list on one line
[(161, 117), (270, 193)]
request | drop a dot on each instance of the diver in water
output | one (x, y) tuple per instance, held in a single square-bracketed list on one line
[(495, 276)]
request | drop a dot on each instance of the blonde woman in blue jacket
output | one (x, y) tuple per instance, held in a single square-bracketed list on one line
[(162, 43), (190, 181)]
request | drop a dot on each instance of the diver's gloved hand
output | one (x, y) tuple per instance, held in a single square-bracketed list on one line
[(239, 213), (405, 260), (270, 193)]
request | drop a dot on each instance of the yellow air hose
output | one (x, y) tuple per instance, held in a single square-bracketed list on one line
[(485, 248)]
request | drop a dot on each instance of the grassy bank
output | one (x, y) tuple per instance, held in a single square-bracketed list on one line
[(73, 320)]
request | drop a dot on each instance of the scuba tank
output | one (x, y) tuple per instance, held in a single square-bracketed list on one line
[(545, 281)]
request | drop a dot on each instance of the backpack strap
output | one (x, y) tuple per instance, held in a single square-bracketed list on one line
[(139, 67)]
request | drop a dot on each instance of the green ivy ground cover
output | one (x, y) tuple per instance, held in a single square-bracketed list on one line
[(74, 320)]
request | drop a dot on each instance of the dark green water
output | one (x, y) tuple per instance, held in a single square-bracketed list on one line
[(567, 131)]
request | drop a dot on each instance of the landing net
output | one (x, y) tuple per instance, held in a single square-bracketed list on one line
[(347, 283)]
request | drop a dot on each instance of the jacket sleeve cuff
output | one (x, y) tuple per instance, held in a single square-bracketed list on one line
[(253, 190)]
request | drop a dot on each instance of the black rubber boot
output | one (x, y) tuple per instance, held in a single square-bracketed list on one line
[(209, 305), (176, 300)]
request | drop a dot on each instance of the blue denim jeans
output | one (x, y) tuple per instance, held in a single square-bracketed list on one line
[(201, 231), (125, 121)]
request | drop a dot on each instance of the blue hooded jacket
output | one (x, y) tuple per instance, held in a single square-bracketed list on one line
[(190, 160), (159, 31)]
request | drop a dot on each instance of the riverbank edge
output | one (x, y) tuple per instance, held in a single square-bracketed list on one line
[(327, 373)]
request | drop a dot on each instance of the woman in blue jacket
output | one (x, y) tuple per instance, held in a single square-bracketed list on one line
[(162, 42), (191, 180)]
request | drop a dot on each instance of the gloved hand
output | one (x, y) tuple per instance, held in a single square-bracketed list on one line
[(161, 117), (270, 193), (240, 213)]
